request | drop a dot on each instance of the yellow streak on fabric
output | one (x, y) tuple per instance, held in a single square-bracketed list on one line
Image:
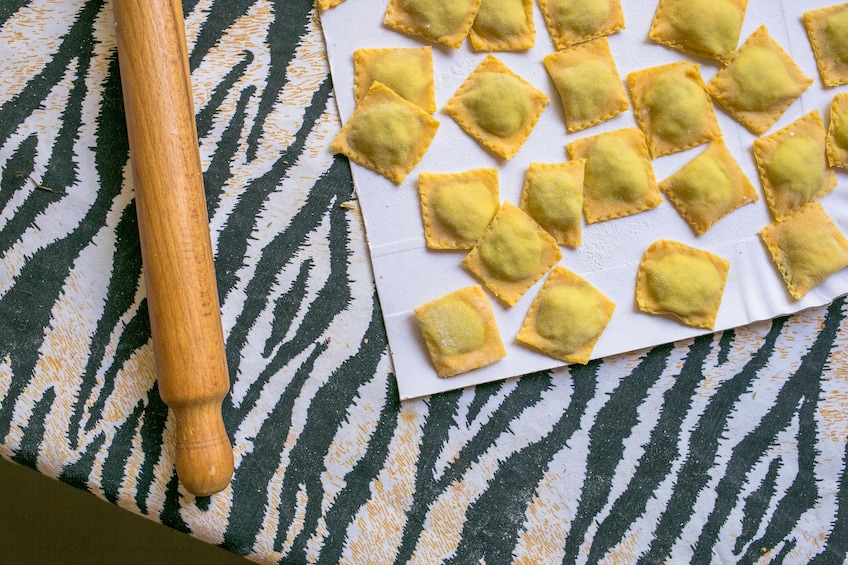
[(544, 535), (381, 521)]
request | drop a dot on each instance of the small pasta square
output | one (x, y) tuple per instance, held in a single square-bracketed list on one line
[(827, 29), (497, 107), (683, 281), (460, 331), (759, 83), (707, 28), (709, 187), (807, 248), (566, 318), (457, 207), (440, 21), (386, 133), (672, 108), (619, 179), (570, 22), (793, 167), (407, 71), (512, 254), (588, 84)]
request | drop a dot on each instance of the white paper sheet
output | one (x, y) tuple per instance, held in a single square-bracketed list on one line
[(408, 274)]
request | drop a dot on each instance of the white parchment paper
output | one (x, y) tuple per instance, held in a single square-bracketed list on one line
[(408, 274)]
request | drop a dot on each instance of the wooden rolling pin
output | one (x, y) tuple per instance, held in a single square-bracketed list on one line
[(176, 248)]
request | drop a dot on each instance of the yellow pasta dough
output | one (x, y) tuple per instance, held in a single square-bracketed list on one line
[(807, 248), (327, 4), (619, 178), (441, 21), (553, 196), (588, 83), (708, 28), (407, 71), (460, 331), (386, 133), (503, 25), (793, 165), (457, 207), (827, 29), (573, 21), (759, 83), (512, 254), (566, 318), (672, 107), (709, 187), (837, 132), (497, 107), (683, 281)]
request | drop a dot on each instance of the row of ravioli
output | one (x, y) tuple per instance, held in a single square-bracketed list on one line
[(610, 174)]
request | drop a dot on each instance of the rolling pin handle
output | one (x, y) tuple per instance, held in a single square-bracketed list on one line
[(204, 456)]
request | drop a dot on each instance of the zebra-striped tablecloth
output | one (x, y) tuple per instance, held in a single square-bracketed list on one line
[(727, 448)]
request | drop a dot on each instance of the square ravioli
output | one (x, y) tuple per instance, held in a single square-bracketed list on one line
[(793, 165), (553, 196), (619, 178), (512, 254), (574, 21), (672, 107), (407, 71), (683, 281), (837, 132), (707, 28), (759, 83), (503, 25), (460, 331), (386, 133), (709, 187), (588, 84), (457, 207), (440, 21), (566, 318), (827, 29), (497, 107), (807, 248)]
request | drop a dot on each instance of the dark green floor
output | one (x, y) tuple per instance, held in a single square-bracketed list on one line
[(45, 521)]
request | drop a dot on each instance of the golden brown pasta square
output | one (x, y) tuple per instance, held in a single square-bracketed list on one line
[(573, 21), (460, 331), (497, 107), (619, 178), (827, 29), (457, 207), (759, 83), (327, 4), (386, 133), (672, 107), (503, 25), (512, 254), (793, 165), (807, 248), (707, 28), (683, 281), (567, 317), (407, 71), (441, 21), (837, 132), (553, 196), (709, 187), (588, 84)]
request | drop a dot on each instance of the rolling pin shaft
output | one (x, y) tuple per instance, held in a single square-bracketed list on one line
[(182, 297)]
